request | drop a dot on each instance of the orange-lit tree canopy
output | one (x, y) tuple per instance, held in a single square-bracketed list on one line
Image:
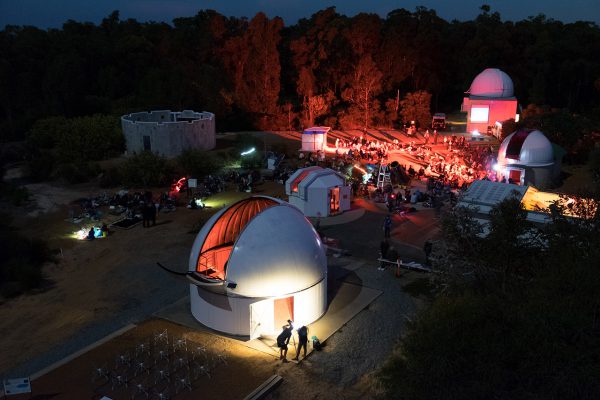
[(215, 251)]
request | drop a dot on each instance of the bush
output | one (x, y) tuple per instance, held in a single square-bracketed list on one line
[(111, 177), (198, 163), (146, 169), (77, 172), (95, 137), (45, 132)]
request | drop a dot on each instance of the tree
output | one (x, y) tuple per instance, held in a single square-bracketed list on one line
[(96, 137), (483, 340), (416, 107), (360, 94), (252, 59)]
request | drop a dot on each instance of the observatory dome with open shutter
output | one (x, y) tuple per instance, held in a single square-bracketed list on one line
[(256, 264), (527, 158)]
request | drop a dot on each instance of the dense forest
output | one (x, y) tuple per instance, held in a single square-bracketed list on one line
[(259, 74)]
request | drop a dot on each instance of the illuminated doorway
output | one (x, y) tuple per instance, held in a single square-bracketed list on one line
[(334, 201), (283, 310), (268, 316), (515, 175)]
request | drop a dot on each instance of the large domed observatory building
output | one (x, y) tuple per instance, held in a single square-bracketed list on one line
[(489, 102), (256, 264), (526, 157)]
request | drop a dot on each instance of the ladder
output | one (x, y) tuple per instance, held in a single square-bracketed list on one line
[(383, 178)]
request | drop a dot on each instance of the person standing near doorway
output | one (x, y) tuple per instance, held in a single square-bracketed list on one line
[(302, 341), (283, 340)]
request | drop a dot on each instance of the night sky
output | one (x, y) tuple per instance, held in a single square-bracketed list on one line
[(52, 13)]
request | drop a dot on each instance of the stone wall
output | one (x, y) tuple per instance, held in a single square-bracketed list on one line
[(168, 133)]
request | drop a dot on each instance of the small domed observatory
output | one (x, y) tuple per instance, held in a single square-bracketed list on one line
[(489, 102), (526, 157), (256, 264)]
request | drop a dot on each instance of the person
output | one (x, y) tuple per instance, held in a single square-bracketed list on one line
[(302, 341), (387, 226), (152, 214), (282, 341), (427, 248), (435, 136), (145, 217), (104, 230), (91, 234)]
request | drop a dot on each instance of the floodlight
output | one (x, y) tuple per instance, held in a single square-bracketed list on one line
[(252, 150)]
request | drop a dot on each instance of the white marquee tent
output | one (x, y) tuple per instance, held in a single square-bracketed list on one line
[(318, 191), (256, 264)]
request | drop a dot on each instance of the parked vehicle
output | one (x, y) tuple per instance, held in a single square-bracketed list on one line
[(438, 121)]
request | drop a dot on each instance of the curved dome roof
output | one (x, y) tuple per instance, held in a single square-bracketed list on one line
[(492, 82), (528, 148), (260, 247)]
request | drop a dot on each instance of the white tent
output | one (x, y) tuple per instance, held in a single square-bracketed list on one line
[(318, 191), (256, 264), (482, 196), (315, 139)]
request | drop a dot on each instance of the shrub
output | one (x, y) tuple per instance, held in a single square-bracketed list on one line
[(77, 172), (198, 163), (111, 177), (146, 169)]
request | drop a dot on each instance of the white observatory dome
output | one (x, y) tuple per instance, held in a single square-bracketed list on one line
[(528, 148), (492, 82), (258, 247)]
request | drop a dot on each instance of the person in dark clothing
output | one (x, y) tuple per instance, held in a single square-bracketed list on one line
[(152, 213), (387, 226), (384, 247), (282, 341), (427, 249), (145, 217), (302, 341)]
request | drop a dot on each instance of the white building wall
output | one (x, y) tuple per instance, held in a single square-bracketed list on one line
[(222, 313), (232, 314), (168, 136), (310, 304), (345, 197)]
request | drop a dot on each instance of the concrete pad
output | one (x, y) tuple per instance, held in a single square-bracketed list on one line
[(349, 300), (343, 218)]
